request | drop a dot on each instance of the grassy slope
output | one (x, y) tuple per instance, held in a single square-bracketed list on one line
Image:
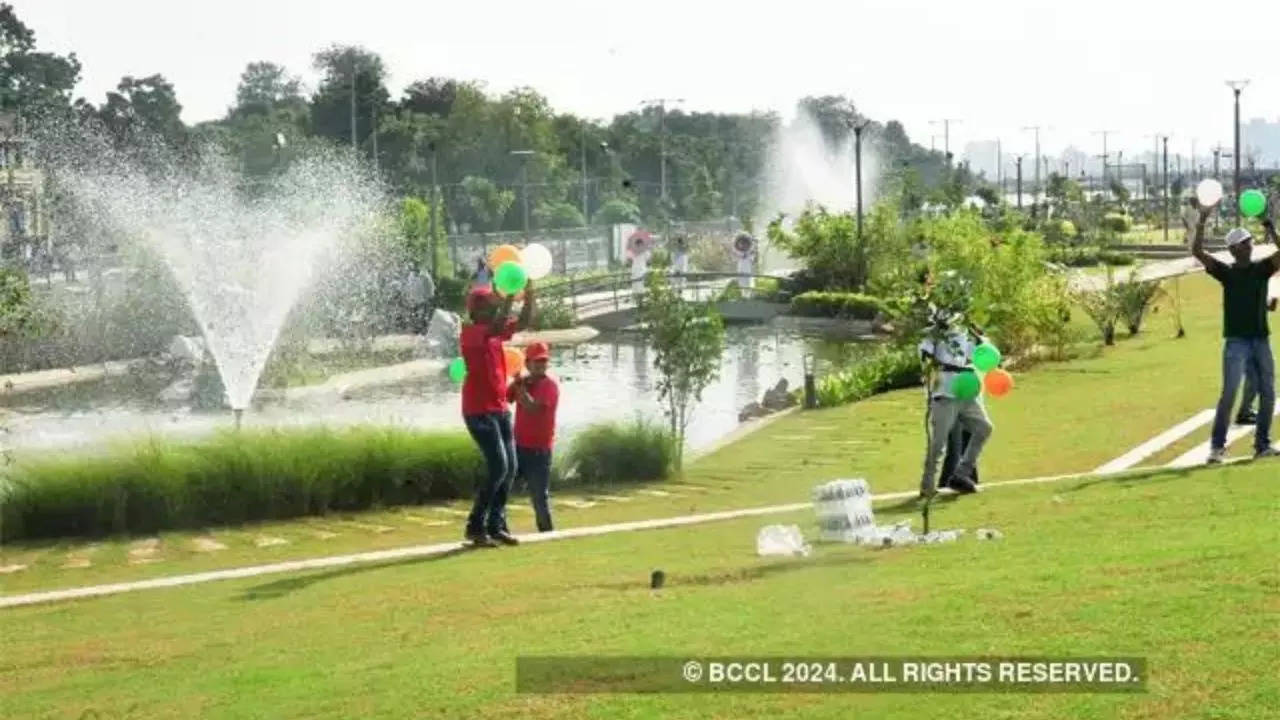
[(1167, 567), (1064, 417)]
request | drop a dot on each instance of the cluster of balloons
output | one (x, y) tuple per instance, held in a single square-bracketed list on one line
[(513, 268), (997, 382), (1252, 202)]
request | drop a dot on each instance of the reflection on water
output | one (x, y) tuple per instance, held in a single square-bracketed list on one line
[(608, 379)]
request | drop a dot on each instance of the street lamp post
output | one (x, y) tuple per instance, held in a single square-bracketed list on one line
[(1036, 191), (1164, 142), (946, 135), (586, 217), (1018, 162), (1236, 86), (524, 187), (857, 163), (434, 226), (662, 140)]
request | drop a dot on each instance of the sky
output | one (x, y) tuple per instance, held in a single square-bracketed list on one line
[(993, 66)]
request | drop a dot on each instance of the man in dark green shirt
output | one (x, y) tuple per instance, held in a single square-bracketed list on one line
[(1247, 346)]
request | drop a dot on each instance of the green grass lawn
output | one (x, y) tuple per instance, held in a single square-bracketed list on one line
[(1061, 418), (1178, 568)]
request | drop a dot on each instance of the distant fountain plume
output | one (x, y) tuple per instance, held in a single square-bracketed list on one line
[(804, 168), (242, 260)]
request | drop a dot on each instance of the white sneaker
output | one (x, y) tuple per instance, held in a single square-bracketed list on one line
[(1216, 455)]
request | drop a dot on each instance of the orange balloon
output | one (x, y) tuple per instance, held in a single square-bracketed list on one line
[(502, 254), (515, 361), (998, 383)]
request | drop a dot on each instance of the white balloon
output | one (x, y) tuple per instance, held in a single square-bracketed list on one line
[(1209, 192), (536, 260)]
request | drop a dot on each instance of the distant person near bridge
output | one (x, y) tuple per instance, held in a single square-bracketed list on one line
[(744, 247)]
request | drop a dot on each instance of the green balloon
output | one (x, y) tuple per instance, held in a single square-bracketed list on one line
[(457, 370), (966, 386), (510, 278), (986, 357), (1252, 203)]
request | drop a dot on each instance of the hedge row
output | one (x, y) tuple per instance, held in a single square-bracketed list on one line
[(235, 477), (837, 305)]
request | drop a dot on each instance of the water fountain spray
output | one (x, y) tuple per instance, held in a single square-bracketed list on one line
[(241, 260)]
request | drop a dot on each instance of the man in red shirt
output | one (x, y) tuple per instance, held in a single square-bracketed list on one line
[(484, 407), (536, 396)]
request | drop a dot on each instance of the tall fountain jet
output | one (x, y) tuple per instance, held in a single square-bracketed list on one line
[(241, 259)]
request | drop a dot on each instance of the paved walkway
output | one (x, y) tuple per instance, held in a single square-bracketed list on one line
[(1082, 280)]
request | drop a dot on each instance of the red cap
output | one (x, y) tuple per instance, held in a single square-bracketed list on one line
[(536, 351), (479, 297)]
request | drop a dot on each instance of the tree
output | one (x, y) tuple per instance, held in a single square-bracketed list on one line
[(485, 203), (16, 313), (144, 106), (265, 86), (556, 215), (687, 340), (617, 212), (340, 65), (834, 114), (32, 82), (433, 96)]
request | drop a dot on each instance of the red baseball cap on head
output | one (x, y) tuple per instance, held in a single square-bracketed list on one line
[(537, 351), (480, 297)]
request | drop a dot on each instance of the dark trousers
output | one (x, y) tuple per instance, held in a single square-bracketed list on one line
[(535, 467), (493, 435), (957, 441)]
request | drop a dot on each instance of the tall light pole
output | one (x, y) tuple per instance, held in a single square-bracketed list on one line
[(435, 222), (946, 135), (1036, 190), (662, 154), (524, 183), (1164, 142), (1104, 134), (1236, 86), (586, 217), (1018, 161), (1000, 169), (857, 163), (353, 102), (373, 133)]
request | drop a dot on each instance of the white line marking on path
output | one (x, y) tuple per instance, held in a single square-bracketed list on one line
[(448, 547), (1198, 454), (1157, 443)]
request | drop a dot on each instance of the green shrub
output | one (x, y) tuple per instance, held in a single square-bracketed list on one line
[(1117, 222), (554, 314), (889, 369), (837, 305), (1089, 256), (451, 293), (621, 452), (234, 477)]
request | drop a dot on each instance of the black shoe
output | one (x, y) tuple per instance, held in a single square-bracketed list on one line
[(504, 537), (963, 485), (1247, 418), (479, 539)]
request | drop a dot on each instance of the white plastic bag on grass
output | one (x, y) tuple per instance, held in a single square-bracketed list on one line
[(781, 540)]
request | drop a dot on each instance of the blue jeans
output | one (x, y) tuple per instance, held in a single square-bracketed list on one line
[(1246, 357), (492, 433), (535, 468)]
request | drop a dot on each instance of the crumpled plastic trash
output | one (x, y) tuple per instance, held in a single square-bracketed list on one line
[(989, 534), (781, 540)]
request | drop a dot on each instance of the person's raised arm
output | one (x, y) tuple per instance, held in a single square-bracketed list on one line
[(527, 312), (1274, 259), (1197, 242), (498, 324)]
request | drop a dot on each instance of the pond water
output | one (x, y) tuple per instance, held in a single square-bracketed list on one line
[(610, 378)]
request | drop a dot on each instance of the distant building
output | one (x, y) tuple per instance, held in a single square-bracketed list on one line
[(25, 226)]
